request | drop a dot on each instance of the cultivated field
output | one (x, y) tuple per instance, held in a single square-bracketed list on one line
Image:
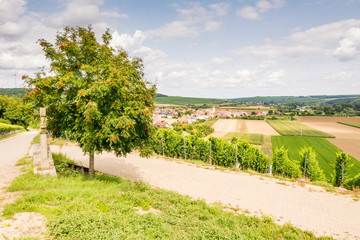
[(252, 138), (351, 146), (336, 129), (329, 119), (352, 124), (295, 128), (261, 127), (224, 126), (325, 151)]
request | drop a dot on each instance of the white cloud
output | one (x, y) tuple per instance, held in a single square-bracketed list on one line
[(11, 10), (219, 60), (192, 21), (349, 46), (262, 6), (341, 76)]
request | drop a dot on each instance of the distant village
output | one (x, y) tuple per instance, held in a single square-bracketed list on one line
[(182, 115)]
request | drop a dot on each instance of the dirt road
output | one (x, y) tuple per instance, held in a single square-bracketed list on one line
[(308, 207)]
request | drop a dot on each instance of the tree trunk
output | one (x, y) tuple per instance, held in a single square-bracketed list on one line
[(91, 166)]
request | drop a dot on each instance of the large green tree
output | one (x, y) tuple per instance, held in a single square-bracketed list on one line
[(95, 93)]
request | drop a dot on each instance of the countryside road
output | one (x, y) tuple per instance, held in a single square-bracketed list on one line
[(11, 150), (307, 207)]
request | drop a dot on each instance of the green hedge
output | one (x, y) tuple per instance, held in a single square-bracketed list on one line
[(8, 127)]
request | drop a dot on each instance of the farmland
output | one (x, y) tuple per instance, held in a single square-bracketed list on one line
[(325, 151), (352, 124), (295, 128), (336, 129), (253, 138)]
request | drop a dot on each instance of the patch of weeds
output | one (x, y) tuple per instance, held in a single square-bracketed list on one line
[(62, 167), (24, 161), (282, 183), (36, 139)]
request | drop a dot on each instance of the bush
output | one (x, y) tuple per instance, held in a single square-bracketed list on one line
[(4, 121), (352, 183), (340, 156), (8, 127), (61, 166), (313, 170), (282, 165)]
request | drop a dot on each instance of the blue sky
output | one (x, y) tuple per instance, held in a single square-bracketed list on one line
[(218, 49)]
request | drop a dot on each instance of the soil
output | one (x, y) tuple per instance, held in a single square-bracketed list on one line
[(351, 146), (336, 129), (329, 119), (224, 126), (261, 127)]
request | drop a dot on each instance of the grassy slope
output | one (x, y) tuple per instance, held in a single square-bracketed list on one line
[(187, 100), (252, 138), (293, 128), (106, 208), (352, 124), (325, 151)]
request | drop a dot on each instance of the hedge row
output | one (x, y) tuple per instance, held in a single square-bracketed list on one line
[(4, 128)]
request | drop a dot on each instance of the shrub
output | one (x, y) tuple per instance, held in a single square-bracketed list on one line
[(351, 183), (8, 127), (282, 165), (340, 157), (313, 170)]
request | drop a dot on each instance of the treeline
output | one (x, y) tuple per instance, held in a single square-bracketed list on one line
[(14, 111), (241, 154), (15, 92)]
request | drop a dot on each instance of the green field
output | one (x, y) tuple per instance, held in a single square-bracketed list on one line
[(295, 128), (187, 100), (252, 138), (352, 124), (325, 151), (209, 122)]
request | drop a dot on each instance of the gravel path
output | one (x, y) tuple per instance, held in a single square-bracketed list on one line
[(308, 207)]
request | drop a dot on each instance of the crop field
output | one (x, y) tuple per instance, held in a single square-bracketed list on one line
[(352, 124), (336, 129), (260, 126), (224, 126), (325, 151), (295, 128), (252, 138), (328, 119)]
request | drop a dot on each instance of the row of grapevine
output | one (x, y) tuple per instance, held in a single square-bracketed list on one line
[(4, 128), (215, 150)]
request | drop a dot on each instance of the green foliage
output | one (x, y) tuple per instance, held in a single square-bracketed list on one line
[(8, 127), (325, 152), (313, 171), (61, 166), (4, 121), (15, 111), (209, 122), (352, 183), (15, 92), (95, 92), (252, 138), (187, 100), (352, 124), (106, 208), (200, 130), (341, 157), (282, 165), (295, 128)]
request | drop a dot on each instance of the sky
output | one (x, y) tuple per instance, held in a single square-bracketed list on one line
[(212, 48)]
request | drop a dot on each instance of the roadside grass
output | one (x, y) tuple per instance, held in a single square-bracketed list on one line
[(252, 138), (325, 152), (352, 124), (113, 208), (295, 128)]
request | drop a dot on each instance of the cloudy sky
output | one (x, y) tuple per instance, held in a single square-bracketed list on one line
[(221, 49)]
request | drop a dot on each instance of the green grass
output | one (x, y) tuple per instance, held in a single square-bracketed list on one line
[(325, 152), (187, 100), (352, 124), (252, 138), (295, 128), (106, 208)]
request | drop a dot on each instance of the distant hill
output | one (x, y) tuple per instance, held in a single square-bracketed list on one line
[(17, 92), (315, 99), (187, 100)]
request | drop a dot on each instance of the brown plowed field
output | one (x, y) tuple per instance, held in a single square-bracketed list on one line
[(329, 119), (261, 127), (336, 129), (351, 146), (224, 126)]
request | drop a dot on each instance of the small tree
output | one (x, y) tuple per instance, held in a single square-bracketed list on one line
[(282, 165), (313, 170), (340, 158), (96, 93)]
